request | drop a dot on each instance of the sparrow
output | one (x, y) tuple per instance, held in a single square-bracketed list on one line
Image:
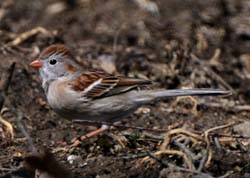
[(76, 93)]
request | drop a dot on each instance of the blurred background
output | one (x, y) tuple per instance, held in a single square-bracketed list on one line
[(176, 43)]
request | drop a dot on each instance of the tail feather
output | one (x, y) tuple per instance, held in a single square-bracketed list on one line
[(189, 92), (150, 95)]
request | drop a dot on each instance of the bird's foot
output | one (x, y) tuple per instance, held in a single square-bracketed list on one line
[(77, 141)]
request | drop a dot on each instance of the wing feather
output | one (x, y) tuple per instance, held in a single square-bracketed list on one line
[(99, 84)]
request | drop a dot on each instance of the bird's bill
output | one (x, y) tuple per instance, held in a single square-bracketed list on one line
[(36, 64)]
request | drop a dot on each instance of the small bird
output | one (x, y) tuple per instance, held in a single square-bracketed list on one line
[(94, 95)]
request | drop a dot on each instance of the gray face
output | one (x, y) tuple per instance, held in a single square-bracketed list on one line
[(53, 67)]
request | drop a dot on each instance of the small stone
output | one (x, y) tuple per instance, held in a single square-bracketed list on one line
[(74, 159), (243, 129)]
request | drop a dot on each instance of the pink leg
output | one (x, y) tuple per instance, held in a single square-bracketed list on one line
[(103, 128), (95, 132)]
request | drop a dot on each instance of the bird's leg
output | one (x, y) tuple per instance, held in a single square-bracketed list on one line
[(103, 128), (95, 132)]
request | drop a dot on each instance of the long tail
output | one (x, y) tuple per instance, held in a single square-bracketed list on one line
[(151, 95)]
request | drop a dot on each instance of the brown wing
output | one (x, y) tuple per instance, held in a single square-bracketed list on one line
[(98, 84)]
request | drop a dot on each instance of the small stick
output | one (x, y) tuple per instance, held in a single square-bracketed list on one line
[(206, 133), (206, 137), (209, 157), (42, 163), (119, 126), (210, 72), (228, 174), (6, 78), (202, 162), (26, 35), (155, 137), (235, 108), (174, 131), (217, 142), (177, 168), (4, 85), (178, 131), (178, 153), (188, 152), (25, 133)]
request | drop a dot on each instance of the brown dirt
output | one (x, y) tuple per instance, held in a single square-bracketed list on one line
[(149, 45)]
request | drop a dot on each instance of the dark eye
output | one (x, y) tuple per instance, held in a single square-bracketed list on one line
[(53, 61)]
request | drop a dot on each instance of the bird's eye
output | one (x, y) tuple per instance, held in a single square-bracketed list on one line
[(53, 61)]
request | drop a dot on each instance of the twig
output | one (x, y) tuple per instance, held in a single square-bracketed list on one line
[(188, 152), (85, 122), (211, 73), (26, 35), (177, 168), (230, 136), (203, 161), (178, 153), (6, 78), (187, 155), (206, 137), (170, 132), (217, 142), (234, 108), (206, 133), (4, 85), (25, 133), (227, 174), (177, 131), (155, 137), (42, 163)]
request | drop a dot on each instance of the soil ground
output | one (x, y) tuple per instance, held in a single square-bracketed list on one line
[(176, 43)]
